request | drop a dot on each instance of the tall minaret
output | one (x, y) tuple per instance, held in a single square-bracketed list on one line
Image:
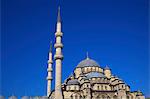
[(49, 70), (58, 58)]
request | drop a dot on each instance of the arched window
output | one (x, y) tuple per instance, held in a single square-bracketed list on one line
[(105, 87), (98, 97), (75, 88), (108, 97), (115, 97), (128, 97), (88, 69), (97, 87), (102, 87), (80, 97), (71, 97), (87, 86), (131, 97), (69, 88), (76, 97), (103, 97), (122, 86)]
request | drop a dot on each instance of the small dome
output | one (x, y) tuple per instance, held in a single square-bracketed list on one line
[(88, 63), (25, 97), (12, 97), (2, 97), (73, 82), (107, 68), (95, 74)]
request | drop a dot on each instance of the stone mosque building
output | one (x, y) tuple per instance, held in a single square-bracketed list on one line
[(88, 80)]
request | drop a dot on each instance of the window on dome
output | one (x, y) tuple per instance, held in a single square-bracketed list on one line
[(74, 87), (122, 86), (115, 97), (71, 97), (105, 87), (128, 97), (69, 88), (76, 97), (102, 87), (108, 97), (98, 88), (87, 86)]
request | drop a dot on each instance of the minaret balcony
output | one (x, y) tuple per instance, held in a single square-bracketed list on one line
[(50, 61), (60, 45), (58, 56), (49, 78), (49, 69), (58, 34)]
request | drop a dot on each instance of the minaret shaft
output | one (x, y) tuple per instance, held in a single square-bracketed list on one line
[(49, 70), (58, 58)]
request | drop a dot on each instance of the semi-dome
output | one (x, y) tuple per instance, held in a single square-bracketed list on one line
[(95, 75), (73, 82), (88, 63)]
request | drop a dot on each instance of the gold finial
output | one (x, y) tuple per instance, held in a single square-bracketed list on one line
[(87, 55)]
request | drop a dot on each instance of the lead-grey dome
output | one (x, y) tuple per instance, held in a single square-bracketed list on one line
[(95, 75), (73, 82), (88, 63)]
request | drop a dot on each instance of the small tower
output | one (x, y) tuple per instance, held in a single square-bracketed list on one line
[(58, 58), (107, 72), (49, 70)]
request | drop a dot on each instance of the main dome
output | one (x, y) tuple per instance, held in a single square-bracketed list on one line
[(88, 63)]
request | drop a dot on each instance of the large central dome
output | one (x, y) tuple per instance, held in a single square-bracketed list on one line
[(88, 63)]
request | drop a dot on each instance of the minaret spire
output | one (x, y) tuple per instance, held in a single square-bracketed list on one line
[(58, 58), (58, 16), (51, 44), (49, 70)]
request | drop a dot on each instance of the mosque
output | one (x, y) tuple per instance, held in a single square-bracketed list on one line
[(88, 80)]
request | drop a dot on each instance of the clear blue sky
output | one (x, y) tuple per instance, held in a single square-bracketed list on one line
[(114, 32)]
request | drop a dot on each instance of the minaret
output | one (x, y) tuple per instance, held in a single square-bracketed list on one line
[(58, 58), (49, 70)]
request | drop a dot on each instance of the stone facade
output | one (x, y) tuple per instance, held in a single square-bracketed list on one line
[(90, 81)]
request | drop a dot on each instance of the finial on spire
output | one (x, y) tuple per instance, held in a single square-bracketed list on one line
[(87, 55), (51, 44), (58, 16)]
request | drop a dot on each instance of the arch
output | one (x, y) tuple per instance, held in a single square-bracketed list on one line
[(114, 97), (80, 97), (108, 97), (98, 97), (101, 87), (98, 87), (71, 97), (103, 96), (76, 96), (75, 87), (105, 87), (128, 97)]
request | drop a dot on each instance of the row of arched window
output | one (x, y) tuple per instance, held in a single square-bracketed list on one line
[(90, 69), (101, 87), (98, 97), (101, 80)]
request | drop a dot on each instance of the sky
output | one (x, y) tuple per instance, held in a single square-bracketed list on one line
[(114, 32)]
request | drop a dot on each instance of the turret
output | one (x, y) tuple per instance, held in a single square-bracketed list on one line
[(107, 72)]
